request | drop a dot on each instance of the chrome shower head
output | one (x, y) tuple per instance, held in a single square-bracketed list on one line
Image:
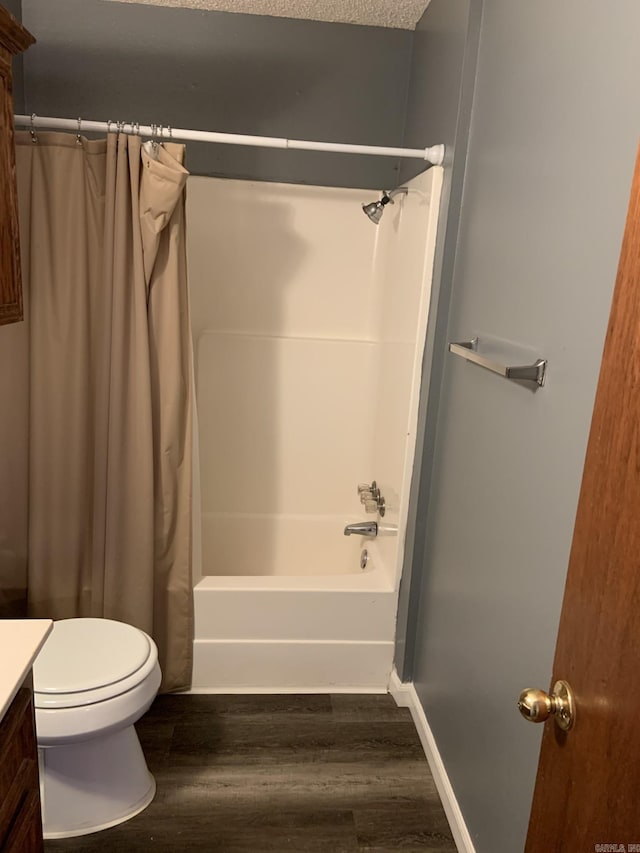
[(375, 209)]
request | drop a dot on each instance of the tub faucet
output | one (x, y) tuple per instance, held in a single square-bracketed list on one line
[(362, 528)]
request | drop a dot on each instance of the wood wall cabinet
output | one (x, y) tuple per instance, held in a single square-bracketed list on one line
[(13, 40), (20, 817)]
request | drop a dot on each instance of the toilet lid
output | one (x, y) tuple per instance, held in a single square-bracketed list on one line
[(84, 654)]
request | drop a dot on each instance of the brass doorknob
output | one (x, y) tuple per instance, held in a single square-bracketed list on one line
[(537, 706)]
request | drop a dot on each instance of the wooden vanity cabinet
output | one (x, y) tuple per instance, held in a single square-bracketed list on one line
[(20, 816), (13, 40)]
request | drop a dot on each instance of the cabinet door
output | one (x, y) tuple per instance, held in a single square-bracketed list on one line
[(20, 819), (10, 276), (26, 832), (13, 40)]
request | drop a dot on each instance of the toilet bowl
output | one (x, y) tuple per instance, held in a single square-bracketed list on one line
[(92, 680)]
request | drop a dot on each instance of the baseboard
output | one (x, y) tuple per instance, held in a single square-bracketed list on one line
[(406, 697)]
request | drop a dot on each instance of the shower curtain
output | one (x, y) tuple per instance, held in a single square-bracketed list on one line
[(110, 408)]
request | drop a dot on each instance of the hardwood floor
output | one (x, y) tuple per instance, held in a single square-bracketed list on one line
[(269, 774)]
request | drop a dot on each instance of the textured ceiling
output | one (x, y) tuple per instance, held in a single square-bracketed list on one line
[(402, 14)]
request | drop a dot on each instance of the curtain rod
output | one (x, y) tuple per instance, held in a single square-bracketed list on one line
[(434, 154)]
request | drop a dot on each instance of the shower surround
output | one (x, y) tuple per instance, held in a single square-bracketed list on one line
[(309, 325)]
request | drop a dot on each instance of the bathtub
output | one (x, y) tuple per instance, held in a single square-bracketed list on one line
[(304, 633)]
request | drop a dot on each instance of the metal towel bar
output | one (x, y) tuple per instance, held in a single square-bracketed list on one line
[(529, 372)]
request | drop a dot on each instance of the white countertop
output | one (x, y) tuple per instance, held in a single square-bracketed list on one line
[(20, 642)]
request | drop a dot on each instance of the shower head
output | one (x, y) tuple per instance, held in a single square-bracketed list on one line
[(375, 209)]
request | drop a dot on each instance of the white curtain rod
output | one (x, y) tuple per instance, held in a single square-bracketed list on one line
[(434, 154)]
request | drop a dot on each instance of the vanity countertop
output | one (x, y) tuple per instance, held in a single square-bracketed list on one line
[(20, 642)]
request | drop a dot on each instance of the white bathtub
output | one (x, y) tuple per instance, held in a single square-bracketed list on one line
[(294, 633)]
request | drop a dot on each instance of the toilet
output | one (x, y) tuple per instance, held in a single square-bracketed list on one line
[(92, 681)]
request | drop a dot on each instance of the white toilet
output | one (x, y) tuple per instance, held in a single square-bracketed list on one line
[(92, 680)]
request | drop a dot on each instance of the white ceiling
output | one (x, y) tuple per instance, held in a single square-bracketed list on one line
[(401, 14)]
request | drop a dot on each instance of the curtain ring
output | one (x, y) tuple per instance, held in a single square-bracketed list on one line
[(135, 128), (34, 135), (170, 131), (78, 137), (109, 123)]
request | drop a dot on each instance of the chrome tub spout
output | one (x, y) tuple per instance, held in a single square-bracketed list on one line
[(362, 528)]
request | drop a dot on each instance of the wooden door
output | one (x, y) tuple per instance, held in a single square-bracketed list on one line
[(587, 794)]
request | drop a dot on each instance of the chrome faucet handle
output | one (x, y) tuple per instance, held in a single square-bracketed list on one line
[(370, 506), (363, 487)]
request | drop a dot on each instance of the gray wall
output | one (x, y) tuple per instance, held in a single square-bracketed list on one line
[(439, 103), (555, 125), (14, 6), (233, 73), (435, 99)]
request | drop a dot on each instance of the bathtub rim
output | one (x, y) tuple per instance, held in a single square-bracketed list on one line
[(370, 580)]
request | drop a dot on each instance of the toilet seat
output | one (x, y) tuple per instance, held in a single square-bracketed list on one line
[(86, 661)]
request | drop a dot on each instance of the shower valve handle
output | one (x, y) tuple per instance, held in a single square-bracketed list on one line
[(366, 491)]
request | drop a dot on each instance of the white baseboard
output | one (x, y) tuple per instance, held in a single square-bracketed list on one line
[(406, 697)]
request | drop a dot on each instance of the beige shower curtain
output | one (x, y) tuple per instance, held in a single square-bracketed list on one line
[(103, 242)]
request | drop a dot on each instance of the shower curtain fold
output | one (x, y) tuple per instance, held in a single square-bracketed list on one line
[(109, 386)]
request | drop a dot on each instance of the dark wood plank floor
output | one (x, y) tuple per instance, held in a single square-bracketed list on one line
[(269, 774)]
